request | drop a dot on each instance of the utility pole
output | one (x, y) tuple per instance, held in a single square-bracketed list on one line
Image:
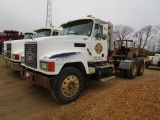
[(49, 13)]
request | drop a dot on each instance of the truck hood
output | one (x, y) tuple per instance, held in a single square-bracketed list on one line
[(61, 44), (59, 48), (18, 46)]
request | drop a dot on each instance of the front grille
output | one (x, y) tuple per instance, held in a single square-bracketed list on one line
[(31, 54), (8, 54)]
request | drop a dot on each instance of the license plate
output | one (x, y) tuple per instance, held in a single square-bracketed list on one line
[(27, 74)]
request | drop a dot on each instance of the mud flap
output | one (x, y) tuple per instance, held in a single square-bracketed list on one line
[(126, 64)]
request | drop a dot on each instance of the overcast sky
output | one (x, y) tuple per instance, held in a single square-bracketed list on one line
[(28, 15)]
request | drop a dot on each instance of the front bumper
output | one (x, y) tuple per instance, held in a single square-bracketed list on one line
[(35, 78), (15, 66)]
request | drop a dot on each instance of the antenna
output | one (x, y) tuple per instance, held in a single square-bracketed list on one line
[(49, 13)]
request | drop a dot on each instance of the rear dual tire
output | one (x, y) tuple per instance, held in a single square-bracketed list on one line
[(132, 73), (136, 69), (141, 69)]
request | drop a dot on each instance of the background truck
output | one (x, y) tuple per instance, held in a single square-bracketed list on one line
[(127, 48), (27, 35), (9, 35), (153, 61), (63, 64), (16, 48)]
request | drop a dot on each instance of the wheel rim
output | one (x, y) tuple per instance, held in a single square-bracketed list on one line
[(142, 68), (134, 69), (70, 86)]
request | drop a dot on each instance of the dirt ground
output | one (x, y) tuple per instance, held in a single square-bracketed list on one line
[(116, 99)]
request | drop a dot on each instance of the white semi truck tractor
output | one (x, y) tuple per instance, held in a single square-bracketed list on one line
[(62, 64), (27, 35), (16, 48)]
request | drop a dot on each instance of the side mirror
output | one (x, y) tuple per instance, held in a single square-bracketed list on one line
[(33, 37), (104, 37)]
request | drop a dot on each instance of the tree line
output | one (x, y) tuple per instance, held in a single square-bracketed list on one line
[(147, 38)]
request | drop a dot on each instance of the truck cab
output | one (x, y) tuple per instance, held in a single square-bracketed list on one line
[(83, 44), (9, 35), (27, 35), (16, 48)]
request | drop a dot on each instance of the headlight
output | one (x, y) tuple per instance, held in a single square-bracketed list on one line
[(43, 65), (22, 60), (49, 66), (15, 57)]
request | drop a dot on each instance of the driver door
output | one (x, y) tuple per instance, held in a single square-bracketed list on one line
[(99, 45)]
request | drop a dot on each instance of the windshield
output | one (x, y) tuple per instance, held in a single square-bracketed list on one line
[(80, 27), (43, 33), (28, 36)]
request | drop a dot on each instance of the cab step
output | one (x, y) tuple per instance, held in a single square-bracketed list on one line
[(107, 78)]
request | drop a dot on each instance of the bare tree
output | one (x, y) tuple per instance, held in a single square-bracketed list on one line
[(151, 46), (122, 32), (157, 38), (144, 36), (139, 36)]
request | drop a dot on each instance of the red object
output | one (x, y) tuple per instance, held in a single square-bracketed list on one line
[(10, 35), (17, 57), (109, 58), (51, 66)]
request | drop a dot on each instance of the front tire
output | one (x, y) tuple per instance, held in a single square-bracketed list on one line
[(67, 86)]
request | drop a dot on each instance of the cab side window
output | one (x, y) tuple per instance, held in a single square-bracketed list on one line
[(98, 30)]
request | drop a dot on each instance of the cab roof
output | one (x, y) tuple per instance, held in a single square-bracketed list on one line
[(98, 21), (32, 32), (48, 28)]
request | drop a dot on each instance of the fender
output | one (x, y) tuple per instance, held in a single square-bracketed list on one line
[(65, 57), (126, 64)]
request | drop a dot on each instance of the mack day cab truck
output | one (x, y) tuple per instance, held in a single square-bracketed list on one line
[(62, 64), (16, 48), (27, 35)]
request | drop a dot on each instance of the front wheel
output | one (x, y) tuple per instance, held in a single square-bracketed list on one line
[(67, 86)]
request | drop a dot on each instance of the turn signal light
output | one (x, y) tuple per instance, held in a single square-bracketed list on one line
[(16, 57), (51, 66)]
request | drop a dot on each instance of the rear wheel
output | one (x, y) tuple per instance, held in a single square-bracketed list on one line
[(67, 86), (133, 70), (123, 73), (141, 69)]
